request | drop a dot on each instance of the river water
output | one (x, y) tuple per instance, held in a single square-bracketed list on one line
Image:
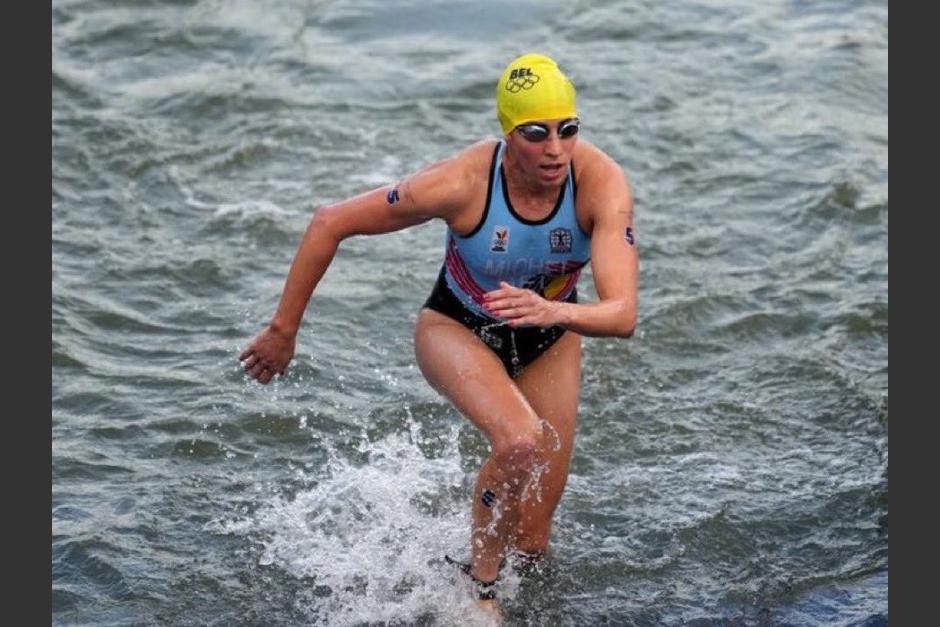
[(731, 459)]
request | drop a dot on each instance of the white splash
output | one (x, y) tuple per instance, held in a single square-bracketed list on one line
[(373, 535)]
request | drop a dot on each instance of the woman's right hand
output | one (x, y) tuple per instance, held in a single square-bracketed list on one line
[(268, 354)]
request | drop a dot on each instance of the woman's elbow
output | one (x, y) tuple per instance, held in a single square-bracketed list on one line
[(324, 223), (626, 330), (620, 319), (626, 324), (322, 216)]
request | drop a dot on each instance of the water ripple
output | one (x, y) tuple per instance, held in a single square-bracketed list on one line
[(731, 462)]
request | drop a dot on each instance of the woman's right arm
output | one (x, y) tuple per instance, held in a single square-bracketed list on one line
[(438, 190)]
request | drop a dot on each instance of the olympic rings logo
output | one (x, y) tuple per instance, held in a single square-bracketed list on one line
[(520, 79)]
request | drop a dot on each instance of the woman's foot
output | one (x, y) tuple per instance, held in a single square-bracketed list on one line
[(491, 610), (484, 589)]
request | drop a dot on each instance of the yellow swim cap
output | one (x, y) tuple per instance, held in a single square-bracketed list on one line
[(533, 88)]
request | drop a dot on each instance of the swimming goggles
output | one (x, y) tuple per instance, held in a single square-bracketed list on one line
[(535, 132)]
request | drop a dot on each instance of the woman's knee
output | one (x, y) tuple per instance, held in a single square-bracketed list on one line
[(516, 455)]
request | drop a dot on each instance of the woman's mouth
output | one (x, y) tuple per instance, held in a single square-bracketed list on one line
[(552, 170)]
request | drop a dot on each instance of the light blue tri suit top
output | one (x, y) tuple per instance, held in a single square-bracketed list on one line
[(544, 255)]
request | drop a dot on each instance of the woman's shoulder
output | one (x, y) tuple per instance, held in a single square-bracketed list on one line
[(601, 182), (471, 159), (479, 153), (453, 183), (469, 165), (593, 167), (589, 158)]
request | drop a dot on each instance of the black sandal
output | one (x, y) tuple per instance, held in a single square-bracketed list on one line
[(485, 590)]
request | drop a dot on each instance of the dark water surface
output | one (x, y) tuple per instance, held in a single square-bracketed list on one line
[(731, 460)]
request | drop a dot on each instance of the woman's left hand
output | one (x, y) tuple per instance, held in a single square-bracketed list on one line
[(520, 307)]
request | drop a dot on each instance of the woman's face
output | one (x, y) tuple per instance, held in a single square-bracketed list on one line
[(543, 162)]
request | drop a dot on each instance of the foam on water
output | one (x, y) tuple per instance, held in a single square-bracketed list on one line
[(371, 535)]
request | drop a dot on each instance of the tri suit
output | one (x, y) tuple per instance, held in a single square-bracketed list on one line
[(544, 255)]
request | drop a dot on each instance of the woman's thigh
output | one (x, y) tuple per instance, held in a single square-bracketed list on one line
[(551, 385), (461, 367)]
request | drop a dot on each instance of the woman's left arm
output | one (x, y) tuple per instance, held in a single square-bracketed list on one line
[(614, 261), (604, 196)]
